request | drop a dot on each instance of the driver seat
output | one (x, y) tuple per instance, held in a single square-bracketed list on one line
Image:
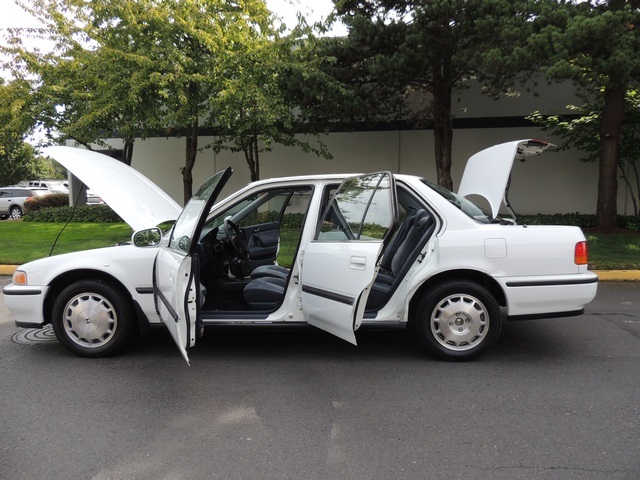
[(270, 271), (265, 293)]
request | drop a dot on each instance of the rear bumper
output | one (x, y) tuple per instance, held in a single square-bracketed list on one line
[(548, 296), (26, 304)]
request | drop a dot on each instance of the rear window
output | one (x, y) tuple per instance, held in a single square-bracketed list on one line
[(466, 206)]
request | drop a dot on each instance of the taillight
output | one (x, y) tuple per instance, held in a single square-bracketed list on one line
[(581, 256)]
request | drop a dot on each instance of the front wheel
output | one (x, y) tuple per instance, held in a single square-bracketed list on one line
[(93, 318), (457, 320)]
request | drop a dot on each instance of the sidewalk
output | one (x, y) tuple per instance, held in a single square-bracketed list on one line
[(603, 275)]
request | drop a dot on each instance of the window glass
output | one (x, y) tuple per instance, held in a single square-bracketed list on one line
[(265, 207), (378, 217), (267, 210), (186, 224), (284, 209), (231, 212), (466, 206), (360, 210)]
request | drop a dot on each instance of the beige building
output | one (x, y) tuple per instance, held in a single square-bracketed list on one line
[(556, 182)]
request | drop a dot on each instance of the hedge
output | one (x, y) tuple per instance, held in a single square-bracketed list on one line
[(84, 214), (53, 200)]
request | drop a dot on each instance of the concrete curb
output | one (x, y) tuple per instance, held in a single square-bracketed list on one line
[(603, 275), (618, 275), (7, 269)]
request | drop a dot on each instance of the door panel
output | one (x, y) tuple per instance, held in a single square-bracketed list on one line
[(340, 264), (336, 278), (176, 297), (176, 285), (262, 241)]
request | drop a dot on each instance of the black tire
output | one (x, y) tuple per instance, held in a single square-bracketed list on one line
[(15, 212), (457, 320), (93, 318)]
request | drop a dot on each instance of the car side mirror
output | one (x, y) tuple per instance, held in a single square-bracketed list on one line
[(150, 237)]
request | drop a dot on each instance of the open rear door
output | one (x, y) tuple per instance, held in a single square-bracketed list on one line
[(340, 264), (176, 285)]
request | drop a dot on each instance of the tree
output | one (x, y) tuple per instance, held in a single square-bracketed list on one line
[(262, 102), (583, 133), (433, 47), (139, 67), (82, 89), (595, 43), (197, 58), (17, 158)]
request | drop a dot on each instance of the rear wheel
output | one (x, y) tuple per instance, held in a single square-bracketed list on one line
[(93, 318), (15, 212), (457, 320)]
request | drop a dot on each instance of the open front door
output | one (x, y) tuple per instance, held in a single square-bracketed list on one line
[(176, 282), (340, 264)]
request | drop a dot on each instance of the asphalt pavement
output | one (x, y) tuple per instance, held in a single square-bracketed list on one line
[(554, 399)]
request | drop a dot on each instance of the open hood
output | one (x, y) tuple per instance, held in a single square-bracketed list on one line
[(138, 201), (487, 172)]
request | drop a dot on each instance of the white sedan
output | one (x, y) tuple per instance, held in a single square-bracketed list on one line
[(337, 252)]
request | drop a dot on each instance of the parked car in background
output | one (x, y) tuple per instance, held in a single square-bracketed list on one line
[(92, 198), (12, 199), (379, 250), (54, 186), (61, 186)]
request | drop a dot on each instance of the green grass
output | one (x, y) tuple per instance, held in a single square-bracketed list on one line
[(21, 242), (25, 241), (288, 244), (614, 251)]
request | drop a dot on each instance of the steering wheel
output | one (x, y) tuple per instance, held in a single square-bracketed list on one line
[(236, 239)]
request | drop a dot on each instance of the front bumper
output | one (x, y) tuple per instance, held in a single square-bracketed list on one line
[(26, 304)]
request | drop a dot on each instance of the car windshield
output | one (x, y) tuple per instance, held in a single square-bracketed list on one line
[(465, 205)]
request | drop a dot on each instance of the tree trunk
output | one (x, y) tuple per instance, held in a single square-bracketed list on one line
[(442, 131), (610, 130), (128, 151), (251, 155), (256, 158), (190, 160)]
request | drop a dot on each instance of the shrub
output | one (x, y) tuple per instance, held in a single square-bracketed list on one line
[(293, 220), (84, 214), (289, 220), (46, 201), (631, 223)]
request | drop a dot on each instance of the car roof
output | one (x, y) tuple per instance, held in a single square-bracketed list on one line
[(25, 187), (326, 177)]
